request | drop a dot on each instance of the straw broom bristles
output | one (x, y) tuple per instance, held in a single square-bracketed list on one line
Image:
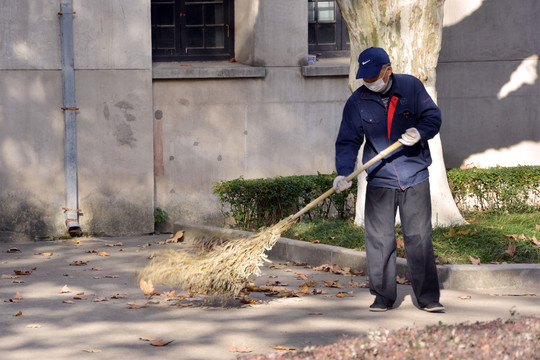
[(218, 269)]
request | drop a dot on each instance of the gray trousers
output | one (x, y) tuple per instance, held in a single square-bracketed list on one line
[(414, 206)]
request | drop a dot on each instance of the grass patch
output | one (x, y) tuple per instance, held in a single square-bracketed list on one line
[(487, 237)]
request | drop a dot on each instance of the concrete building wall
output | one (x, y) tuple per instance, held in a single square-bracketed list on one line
[(487, 83), (268, 114), (114, 122)]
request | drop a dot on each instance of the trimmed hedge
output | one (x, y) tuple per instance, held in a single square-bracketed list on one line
[(263, 202), (509, 189)]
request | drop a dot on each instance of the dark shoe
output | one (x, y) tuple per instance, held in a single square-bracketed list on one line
[(378, 307), (433, 307)]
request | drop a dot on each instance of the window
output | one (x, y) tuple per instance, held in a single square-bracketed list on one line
[(327, 32), (192, 30)]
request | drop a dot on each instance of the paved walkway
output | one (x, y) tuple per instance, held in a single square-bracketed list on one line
[(101, 313)]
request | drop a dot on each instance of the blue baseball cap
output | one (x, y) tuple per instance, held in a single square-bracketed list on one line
[(370, 62)]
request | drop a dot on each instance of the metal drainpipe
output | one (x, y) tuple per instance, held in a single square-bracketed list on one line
[(70, 116)]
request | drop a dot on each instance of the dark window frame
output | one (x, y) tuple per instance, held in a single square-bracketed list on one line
[(340, 47), (178, 26)]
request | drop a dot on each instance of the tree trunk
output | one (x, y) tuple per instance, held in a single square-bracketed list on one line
[(410, 31)]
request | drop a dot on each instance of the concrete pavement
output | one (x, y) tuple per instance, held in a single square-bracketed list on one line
[(106, 316)]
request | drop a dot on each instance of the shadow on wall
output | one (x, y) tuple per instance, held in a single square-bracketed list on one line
[(487, 85)]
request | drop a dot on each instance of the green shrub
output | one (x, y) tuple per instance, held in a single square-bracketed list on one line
[(263, 202), (511, 189)]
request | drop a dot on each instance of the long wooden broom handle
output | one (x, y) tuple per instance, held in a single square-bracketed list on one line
[(351, 176)]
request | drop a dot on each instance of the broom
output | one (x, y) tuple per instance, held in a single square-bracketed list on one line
[(222, 267)]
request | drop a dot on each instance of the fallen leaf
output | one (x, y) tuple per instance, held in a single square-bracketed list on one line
[(65, 289), (80, 298), (318, 292), (314, 313), (511, 249), (131, 305), (99, 299), (161, 343), (18, 296), (117, 296), (240, 349), (281, 347), (18, 314), (400, 243), (299, 263), (93, 251), (474, 261), (68, 302), (92, 350), (33, 326), (103, 253), (534, 240), (147, 288), (96, 269), (116, 244), (277, 266), (81, 293), (13, 250), (316, 242), (24, 272), (179, 234), (334, 284), (79, 263), (45, 254), (147, 339), (464, 297), (402, 280), (355, 272)]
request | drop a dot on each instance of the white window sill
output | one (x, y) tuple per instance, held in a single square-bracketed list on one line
[(205, 70), (328, 67)]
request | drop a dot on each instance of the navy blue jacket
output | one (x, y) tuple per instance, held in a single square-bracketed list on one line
[(365, 114)]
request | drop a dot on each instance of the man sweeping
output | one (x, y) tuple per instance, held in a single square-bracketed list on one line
[(387, 108)]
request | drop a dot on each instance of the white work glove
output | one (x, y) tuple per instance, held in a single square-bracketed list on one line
[(340, 184), (410, 137)]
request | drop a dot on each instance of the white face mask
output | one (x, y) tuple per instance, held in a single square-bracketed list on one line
[(378, 85)]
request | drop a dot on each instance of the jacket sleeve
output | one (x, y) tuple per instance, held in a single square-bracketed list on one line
[(429, 119), (349, 139)]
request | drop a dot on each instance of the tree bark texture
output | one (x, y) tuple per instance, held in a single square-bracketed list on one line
[(411, 32)]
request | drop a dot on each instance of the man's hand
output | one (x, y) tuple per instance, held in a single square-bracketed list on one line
[(410, 137), (340, 184)]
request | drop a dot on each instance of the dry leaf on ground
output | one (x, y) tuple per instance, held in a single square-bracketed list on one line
[(24, 272), (511, 249), (281, 347), (474, 261), (19, 313), (160, 343), (33, 326), (92, 350), (79, 263), (65, 289)]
